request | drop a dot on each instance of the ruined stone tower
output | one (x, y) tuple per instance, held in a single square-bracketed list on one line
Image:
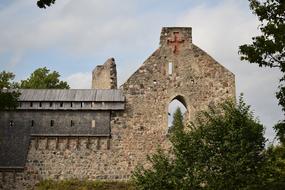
[(105, 76), (104, 133)]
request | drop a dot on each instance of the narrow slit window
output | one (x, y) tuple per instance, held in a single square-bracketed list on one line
[(71, 104), (93, 123), (32, 123), (170, 68), (40, 104), (61, 104), (51, 123), (71, 123), (31, 104), (11, 123)]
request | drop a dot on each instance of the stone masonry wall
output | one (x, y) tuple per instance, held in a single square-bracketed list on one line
[(177, 70), (105, 76), (66, 158)]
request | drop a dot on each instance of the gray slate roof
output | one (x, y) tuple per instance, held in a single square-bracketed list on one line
[(92, 95)]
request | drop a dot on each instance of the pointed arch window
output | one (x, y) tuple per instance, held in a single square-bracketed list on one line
[(175, 103)]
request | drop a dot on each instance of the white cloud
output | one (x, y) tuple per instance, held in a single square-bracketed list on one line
[(79, 80), (122, 28), (77, 26), (220, 30)]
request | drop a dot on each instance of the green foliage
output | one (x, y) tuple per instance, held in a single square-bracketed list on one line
[(223, 150), (8, 99), (268, 49), (280, 129), (281, 95), (274, 171), (177, 122), (75, 184), (42, 78), (160, 177), (6, 80), (43, 3)]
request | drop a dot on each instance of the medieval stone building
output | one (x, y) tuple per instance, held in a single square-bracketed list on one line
[(104, 132)]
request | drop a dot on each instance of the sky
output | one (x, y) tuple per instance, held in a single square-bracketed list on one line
[(72, 37)]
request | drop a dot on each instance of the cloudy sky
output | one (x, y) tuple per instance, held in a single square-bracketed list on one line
[(72, 37)]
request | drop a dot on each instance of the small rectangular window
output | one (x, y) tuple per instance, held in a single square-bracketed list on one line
[(40, 104), (31, 104), (11, 123), (71, 123), (71, 104), (170, 68), (50, 104), (93, 124), (61, 104), (51, 123), (32, 123)]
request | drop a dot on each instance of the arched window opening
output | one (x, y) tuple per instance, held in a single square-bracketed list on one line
[(177, 102)]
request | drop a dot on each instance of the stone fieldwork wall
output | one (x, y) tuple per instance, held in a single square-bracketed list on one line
[(177, 70), (105, 76), (66, 158)]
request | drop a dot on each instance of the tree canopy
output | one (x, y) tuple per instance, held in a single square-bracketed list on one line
[(45, 3), (42, 78), (6, 80), (8, 100), (268, 49), (222, 150)]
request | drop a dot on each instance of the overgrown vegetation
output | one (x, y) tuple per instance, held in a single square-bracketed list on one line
[(224, 149), (75, 184)]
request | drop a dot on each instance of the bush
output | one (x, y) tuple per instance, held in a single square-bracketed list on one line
[(75, 184), (222, 150)]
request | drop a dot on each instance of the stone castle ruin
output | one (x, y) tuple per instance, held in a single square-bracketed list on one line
[(105, 132)]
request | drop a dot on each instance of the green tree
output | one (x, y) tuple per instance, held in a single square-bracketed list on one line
[(222, 150), (268, 49), (8, 99), (45, 3), (42, 78), (6, 80), (273, 173)]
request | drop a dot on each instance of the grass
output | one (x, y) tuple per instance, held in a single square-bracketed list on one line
[(75, 184)]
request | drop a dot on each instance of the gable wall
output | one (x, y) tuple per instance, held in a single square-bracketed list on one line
[(138, 130)]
